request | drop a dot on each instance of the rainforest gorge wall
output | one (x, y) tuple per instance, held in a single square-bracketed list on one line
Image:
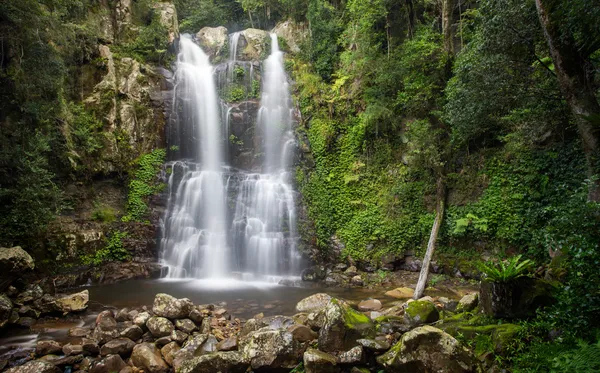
[(482, 114)]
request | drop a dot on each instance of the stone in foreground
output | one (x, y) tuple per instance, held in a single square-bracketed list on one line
[(316, 361), (146, 356), (428, 349), (468, 303), (421, 312), (171, 307), (275, 349), (35, 366), (224, 361), (343, 326), (314, 303)]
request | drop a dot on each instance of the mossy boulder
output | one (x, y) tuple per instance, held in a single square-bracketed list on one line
[(421, 312), (342, 327), (519, 298), (271, 349), (428, 349)]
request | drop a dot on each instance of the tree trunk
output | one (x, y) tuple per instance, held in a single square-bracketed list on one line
[(447, 19), (575, 77), (411, 18), (439, 216)]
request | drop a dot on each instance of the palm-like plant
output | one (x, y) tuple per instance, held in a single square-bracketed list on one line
[(505, 271)]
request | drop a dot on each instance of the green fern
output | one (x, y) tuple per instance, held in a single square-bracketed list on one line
[(584, 359), (505, 271)]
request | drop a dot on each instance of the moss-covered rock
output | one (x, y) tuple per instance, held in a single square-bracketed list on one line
[(342, 327), (421, 312)]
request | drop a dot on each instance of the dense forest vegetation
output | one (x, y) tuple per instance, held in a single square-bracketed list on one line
[(481, 116)]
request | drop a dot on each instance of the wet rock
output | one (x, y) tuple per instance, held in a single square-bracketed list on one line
[(14, 262), (313, 274), (168, 352), (428, 349), (302, 333), (106, 328), (122, 315), (199, 344), (79, 332), (146, 356), (132, 332), (271, 322), (225, 361), (357, 280), (196, 315), (212, 40), (29, 312), (274, 349), (374, 345), (294, 33), (316, 361), (179, 336), (228, 344), (160, 326), (401, 293), (171, 307), (420, 312), (162, 341), (185, 325), (314, 303), (72, 349), (89, 346), (520, 298), (26, 322), (35, 366), (45, 304), (343, 326), (31, 293), (5, 309), (47, 347), (354, 355), (110, 364), (141, 319), (253, 44), (73, 302), (370, 305), (119, 346)]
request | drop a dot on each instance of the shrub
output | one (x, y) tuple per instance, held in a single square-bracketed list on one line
[(505, 271), (113, 251)]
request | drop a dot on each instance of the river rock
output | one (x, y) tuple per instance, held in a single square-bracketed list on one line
[(228, 344), (72, 349), (168, 352), (314, 303), (29, 312), (401, 293), (185, 325), (31, 293), (79, 332), (431, 350), (47, 347), (420, 312), (171, 307), (141, 319), (109, 364), (468, 303), (370, 305), (119, 346), (106, 328), (122, 315), (5, 309), (196, 315), (35, 366), (160, 326), (73, 302), (198, 344), (223, 361), (448, 304), (275, 349), (342, 327), (90, 346), (132, 332), (146, 356), (316, 361), (302, 333), (179, 336), (374, 345), (354, 355)]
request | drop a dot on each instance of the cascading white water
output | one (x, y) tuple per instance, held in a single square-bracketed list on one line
[(194, 242), (265, 216)]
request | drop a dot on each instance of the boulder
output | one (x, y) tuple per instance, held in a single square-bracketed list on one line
[(147, 357), (342, 327), (106, 328), (314, 303), (179, 336), (168, 352), (212, 40), (354, 355), (370, 305), (401, 293), (420, 312), (199, 344), (428, 349), (357, 280), (141, 319), (73, 302), (5, 309), (71, 349), (224, 361), (171, 307), (275, 349), (302, 333), (122, 315), (448, 304), (35, 366), (132, 332), (316, 361), (254, 44), (31, 293), (79, 332), (468, 303), (47, 347), (119, 346), (160, 326), (185, 325), (14, 262), (109, 364)]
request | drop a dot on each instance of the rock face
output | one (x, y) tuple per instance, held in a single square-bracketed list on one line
[(5, 309), (146, 356), (73, 302), (253, 44), (271, 348), (428, 349), (293, 33), (171, 307), (230, 362), (167, 15), (421, 312), (212, 40), (314, 303), (342, 327)]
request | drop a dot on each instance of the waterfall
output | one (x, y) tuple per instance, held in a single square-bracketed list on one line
[(220, 220), (194, 242)]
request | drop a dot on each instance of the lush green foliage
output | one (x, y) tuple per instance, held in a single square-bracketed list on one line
[(505, 270), (144, 184), (113, 251)]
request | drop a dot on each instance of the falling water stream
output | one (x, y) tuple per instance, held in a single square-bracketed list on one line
[(255, 237)]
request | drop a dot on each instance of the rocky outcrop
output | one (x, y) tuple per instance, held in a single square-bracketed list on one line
[(167, 16), (253, 45), (428, 349), (516, 299), (294, 34), (213, 40)]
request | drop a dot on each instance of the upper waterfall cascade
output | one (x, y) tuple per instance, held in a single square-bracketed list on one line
[(223, 221)]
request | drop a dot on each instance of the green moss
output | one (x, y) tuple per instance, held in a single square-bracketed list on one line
[(143, 184), (354, 319), (422, 311)]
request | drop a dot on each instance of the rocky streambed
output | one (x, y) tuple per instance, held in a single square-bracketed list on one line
[(323, 334)]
